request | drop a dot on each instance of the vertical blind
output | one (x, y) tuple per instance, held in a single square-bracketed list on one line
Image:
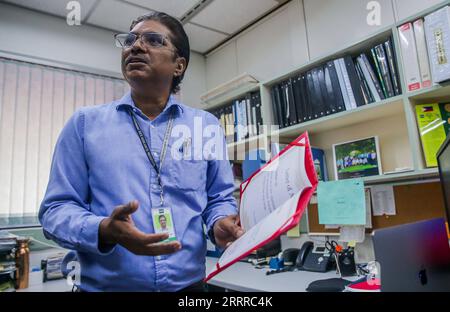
[(35, 103)]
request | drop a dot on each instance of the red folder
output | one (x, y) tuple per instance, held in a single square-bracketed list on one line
[(304, 198)]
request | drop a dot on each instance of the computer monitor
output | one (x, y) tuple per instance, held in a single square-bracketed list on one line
[(443, 157)]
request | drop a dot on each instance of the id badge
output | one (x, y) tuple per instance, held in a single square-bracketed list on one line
[(163, 222)]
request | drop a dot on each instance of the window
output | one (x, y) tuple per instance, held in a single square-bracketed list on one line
[(35, 103)]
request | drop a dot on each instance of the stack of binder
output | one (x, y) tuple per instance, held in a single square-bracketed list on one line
[(425, 45), (337, 85), (242, 118)]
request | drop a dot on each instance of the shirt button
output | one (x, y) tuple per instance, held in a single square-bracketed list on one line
[(155, 186), (155, 154), (158, 258), (152, 126)]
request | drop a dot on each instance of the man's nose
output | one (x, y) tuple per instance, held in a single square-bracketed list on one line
[(138, 45)]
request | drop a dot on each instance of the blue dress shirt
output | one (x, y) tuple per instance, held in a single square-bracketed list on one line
[(99, 163)]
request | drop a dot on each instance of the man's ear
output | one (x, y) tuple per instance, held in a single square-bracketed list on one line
[(180, 66)]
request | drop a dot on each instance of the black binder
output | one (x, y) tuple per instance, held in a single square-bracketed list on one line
[(339, 104), (312, 107), (316, 95), (298, 99), (354, 81), (259, 118), (393, 70), (291, 102), (364, 87), (327, 98), (279, 105), (273, 92), (286, 107)]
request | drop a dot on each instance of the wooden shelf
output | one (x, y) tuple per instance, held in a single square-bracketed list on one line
[(424, 174)]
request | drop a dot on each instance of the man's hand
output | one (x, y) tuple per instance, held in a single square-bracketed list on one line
[(227, 230), (119, 229)]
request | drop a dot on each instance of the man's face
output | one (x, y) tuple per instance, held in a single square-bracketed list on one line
[(163, 222), (143, 64)]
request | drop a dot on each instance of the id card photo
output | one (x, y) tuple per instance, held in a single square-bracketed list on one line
[(163, 222)]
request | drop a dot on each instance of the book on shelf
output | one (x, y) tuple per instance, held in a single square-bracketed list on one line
[(433, 122), (337, 85), (380, 59), (241, 118), (437, 33)]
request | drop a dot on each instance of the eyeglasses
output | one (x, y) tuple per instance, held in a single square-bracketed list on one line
[(152, 39)]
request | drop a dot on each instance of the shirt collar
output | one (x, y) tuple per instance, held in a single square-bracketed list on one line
[(127, 101)]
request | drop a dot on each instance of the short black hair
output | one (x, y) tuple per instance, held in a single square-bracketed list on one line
[(178, 37)]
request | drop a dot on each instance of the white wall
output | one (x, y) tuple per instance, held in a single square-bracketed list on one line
[(47, 39), (302, 30), (194, 82), (271, 47), (332, 24), (406, 8)]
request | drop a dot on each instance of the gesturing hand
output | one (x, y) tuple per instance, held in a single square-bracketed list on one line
[(119, 228)]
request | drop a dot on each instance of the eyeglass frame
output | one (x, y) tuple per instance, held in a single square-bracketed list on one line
[(139, 36)]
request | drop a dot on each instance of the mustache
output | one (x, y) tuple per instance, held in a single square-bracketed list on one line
[(135, 58)]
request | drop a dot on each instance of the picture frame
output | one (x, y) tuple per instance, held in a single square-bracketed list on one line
[(357, 158)]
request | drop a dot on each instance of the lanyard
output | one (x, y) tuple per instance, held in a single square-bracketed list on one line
[(147, 149)]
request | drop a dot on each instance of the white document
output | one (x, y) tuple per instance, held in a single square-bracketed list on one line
[(352, 233), (273, 186), (271, 202), (383, 200)]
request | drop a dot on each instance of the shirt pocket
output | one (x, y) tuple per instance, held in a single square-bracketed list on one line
[(189, 175)]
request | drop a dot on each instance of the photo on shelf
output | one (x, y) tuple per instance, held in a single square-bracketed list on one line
[(355, 159)]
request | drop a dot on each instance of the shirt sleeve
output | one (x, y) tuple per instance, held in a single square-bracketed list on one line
[(220, 182), (65, 211)]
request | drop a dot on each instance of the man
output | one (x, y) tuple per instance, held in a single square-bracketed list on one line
[(114, 163)]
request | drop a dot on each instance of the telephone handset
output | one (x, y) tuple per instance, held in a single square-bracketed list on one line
[(303, 253)]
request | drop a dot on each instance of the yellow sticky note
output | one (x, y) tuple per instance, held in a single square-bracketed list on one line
[(351, 244), (294, 232)]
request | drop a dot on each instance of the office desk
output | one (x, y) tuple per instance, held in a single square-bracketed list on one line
[(239, 277), (244, 277), (50, 286)]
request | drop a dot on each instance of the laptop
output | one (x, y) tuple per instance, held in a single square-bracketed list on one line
[(413, 257)]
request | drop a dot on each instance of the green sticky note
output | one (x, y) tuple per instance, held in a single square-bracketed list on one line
[(342, 202)]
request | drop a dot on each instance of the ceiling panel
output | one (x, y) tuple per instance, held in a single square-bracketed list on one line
[(55, 7), (231, 15), (172, 7), (202, 39), (116, 15)]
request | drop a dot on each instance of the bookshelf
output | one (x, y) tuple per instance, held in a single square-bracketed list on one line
[(392, 120)]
